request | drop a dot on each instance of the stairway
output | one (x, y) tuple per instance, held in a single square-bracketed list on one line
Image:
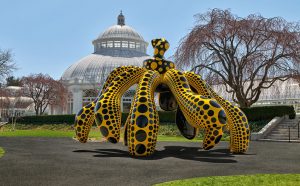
[(281, 131)]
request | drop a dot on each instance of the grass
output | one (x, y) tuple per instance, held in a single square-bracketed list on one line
[(242, 180), (56, 130), (167, 131), (256, 126), (2, 152)]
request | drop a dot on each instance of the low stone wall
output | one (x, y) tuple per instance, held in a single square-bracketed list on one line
[(267, 129)]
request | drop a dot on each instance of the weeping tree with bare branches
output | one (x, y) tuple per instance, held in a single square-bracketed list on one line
[(44, 91), (247, 54)]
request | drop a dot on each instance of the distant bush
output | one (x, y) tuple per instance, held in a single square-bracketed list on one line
[(167, 117), (48, 119), (268, 112)]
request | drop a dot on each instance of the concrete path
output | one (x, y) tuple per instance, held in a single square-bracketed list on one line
[(63, 161)]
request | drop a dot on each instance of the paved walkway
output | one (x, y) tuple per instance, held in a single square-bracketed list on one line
[(63, 161)]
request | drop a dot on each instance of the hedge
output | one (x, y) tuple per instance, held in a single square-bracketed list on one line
[(253, 114), (167, 117), (268, 112)]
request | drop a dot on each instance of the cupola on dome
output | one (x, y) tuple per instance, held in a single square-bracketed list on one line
[(117, 46)]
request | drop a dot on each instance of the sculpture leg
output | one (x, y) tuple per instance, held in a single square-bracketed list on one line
[(107, 110), (199, 111), (84, 121), (85, 118), (142, 129), (116, 72), (237, 120)]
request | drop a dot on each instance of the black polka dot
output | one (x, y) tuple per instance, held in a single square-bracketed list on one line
[(214, 104), (142, 121), (104, 131), (104, 111), (200, 103), (78, 129), (83, 116), (140, 148), (87, 111), (206, 106), (210, 113), (215, 133), (98, 119), (80, 122), (185, 85), (142, 108), (88, 106), (213, 120), (80, 112), (106, 117), (140, 135), (142, 99), (182, 79), (222, 117), (218, 139), (112, 140)]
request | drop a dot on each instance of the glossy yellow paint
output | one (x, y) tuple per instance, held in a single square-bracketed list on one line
[(200, 109)]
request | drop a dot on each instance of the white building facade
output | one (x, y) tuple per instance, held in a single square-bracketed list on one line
[(119, 45), (280, 93)]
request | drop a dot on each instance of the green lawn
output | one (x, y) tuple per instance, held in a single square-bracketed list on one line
[(243, 180), (1, 152), (167, 132), (43, 133), (93, 134)]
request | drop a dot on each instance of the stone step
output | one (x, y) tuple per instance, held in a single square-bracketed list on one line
[(296, 139), (281, 136), (292, 141), (284, 130)]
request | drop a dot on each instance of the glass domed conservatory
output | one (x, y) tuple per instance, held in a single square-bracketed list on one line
[(119, 45)]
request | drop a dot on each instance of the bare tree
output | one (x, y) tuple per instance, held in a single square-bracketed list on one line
[(246, 54), (44, 91), (7, 64)]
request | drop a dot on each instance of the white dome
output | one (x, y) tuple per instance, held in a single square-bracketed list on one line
[(121, 32), (94, 67), (119, 45)]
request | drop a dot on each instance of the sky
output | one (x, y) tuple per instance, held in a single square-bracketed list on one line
[(49, 36)]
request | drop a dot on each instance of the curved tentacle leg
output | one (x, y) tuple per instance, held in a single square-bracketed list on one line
[(199, 111), (84, 121), (107, 110), (116, 72), (142, 130), (85, 118), (237, 120)]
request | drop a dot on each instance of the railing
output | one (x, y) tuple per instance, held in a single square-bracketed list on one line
[(298, 131)]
